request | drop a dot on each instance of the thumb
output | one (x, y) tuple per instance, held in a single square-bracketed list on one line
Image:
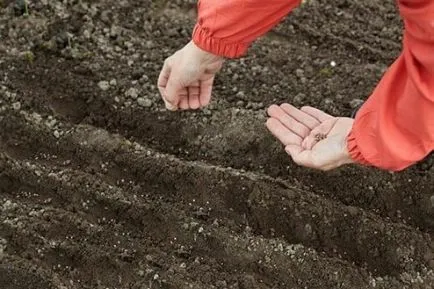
[(299, 156), (173, 90), (169, 106), (293, 150)]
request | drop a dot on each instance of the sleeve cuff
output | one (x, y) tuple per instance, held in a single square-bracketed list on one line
[(354, 151), (217, 46)]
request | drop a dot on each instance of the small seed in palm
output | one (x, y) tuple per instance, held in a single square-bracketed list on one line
[(320, 136)]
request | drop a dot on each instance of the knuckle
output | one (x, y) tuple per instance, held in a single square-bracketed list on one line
[(213, 69)]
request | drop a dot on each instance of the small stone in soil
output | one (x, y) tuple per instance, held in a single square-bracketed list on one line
[(16, 105), (144, 102), (299, 72), (355, 103), (86, 34), (104, 85), (132, 92)]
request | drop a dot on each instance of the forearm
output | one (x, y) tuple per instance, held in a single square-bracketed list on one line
[(227, 28), (395, 128)]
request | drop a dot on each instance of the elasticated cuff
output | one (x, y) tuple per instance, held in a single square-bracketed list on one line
[(354, 151), (217, 46)]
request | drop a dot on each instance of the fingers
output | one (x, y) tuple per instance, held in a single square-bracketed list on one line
[(320, 115), (169, 106), (190, 69), (163, 78), (282, 133), (196, 95), (173, 91), (193, 95), (183, 103), (288, 121), (162, 84), (317, 133), (199, 94), (205, 91), (302, 117)]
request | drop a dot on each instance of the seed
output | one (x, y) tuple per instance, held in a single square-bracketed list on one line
[(320, 136)]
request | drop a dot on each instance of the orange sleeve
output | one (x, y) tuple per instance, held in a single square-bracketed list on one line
[(228, 27), (395, 127)]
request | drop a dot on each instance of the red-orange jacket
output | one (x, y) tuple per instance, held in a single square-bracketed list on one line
[(395, 127)]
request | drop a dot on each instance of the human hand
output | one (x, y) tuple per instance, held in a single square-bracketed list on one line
[(187, 78), (311, 137)]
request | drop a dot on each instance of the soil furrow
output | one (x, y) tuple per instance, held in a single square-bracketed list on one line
[(65, 255), (257, 256), (385, 253), (101, 187), (219, 142), (20, 273)]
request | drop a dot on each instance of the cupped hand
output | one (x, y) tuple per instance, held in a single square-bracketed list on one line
[(187, 78), (311, 137)]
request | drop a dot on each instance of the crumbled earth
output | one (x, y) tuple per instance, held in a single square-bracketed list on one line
[(101, 187)]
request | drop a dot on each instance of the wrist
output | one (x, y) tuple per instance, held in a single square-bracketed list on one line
[(204, 55), (346, 157), (346, 154)]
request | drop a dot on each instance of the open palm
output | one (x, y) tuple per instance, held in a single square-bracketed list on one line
[(311, 137)]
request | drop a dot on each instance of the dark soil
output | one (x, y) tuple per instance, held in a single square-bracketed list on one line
[(100, 189)]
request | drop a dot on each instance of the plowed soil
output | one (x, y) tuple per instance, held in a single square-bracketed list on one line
[(101, 187)]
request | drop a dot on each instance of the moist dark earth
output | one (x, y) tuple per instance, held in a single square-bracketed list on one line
[(101, 187)]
